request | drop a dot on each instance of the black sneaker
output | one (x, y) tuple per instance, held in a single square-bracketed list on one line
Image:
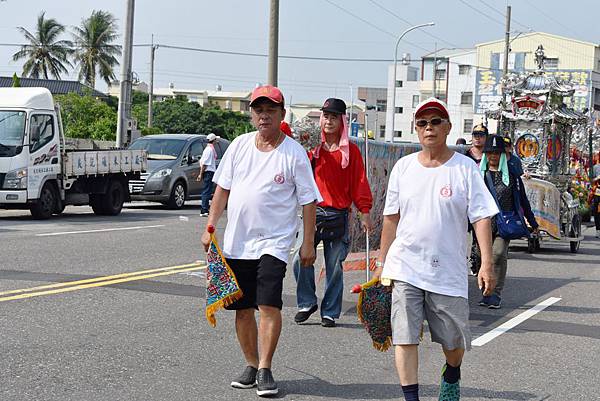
[(266, 385), (246, 379), (327, 322), (303, 315)]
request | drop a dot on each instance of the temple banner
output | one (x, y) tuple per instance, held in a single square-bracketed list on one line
[(544, 198)]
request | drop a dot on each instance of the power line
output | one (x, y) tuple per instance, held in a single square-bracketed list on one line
[(481, 12), (373, 25), (550, 17), (411, 24)]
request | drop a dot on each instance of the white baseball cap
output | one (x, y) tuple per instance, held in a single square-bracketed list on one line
[(211, 137)]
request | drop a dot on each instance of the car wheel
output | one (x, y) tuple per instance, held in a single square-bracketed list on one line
[(177, 198)]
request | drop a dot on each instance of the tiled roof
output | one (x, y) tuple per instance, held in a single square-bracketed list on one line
[(55, 87)]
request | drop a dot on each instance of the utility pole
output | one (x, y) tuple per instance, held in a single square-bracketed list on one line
[(499, 129), (151, 89), (506, 43), (125, 85), (273, 42), (434, 70)]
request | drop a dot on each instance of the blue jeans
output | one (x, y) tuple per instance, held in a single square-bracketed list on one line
[(206, 190), (335, 253)]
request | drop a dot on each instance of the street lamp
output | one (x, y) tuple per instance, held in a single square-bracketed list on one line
[(396, 63)]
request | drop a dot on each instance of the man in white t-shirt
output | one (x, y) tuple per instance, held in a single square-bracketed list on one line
[(262, 179), (208, 166), (431, 197)]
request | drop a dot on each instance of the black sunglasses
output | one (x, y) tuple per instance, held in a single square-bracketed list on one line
[(434, 121)]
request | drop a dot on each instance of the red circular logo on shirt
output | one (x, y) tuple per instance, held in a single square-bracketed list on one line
[(446, 191), (279, 178)]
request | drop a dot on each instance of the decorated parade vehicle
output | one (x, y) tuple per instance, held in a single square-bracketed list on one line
[(535, 115)]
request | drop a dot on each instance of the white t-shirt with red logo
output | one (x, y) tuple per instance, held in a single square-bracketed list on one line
[(429, 251), (266, 189)]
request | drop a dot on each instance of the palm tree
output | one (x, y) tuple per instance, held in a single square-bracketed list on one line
[(94, 49), (44, 53)]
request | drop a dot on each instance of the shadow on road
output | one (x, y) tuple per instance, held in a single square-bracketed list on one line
[(375, 391)]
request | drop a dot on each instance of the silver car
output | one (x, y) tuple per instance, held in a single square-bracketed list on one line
[(173, 168)]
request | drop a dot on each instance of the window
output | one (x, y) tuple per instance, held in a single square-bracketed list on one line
[(381, 105), (41, 131), (382, 131), (468, 126), (466, 98), (551, 63), (464, 69), (399, 110), (398, 84), (415, 101), (195, 153), (440, 75), (397, 134)]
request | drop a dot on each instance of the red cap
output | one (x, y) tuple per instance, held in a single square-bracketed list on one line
[(432, 104), (267, 91)]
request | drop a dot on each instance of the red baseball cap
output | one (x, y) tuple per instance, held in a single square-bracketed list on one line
[(432, 104), (267, 91)]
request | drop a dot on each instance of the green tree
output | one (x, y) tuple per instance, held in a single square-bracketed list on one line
[(87, 117), (178, 115), (95, 53), (16, 82), (45, 55)]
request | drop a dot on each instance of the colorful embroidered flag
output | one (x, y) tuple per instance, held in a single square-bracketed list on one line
[(222, 288), (374, 310)]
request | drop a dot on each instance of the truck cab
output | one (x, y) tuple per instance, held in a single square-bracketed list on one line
[(39, 174), (29, 144)]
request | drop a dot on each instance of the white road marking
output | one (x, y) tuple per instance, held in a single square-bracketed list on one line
[(97, 231), (504, 327)]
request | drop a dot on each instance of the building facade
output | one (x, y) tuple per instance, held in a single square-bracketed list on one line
[(454, 82)]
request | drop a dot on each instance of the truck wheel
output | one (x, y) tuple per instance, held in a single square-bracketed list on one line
[(112, 201), (96, 204), (43, 208), (177, 199)]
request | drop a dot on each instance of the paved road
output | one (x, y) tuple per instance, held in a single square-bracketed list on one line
[(143, 336)]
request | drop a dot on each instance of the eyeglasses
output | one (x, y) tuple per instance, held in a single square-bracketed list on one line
[(434, 121), (479, 134)]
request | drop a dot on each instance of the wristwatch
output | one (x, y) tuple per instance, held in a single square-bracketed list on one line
[(378, 264)]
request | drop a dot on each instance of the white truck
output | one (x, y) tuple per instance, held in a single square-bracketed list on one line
[(38, 173)]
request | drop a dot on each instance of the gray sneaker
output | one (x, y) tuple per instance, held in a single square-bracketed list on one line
[(246, 379), (266, 385)]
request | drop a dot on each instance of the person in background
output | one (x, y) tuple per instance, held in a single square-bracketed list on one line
[(594, 202), (514, 163), (342, 181), (461, 141), (208, 166), (508, 188), (475, 152)]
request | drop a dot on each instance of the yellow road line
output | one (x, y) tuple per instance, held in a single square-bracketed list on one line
[(99, 284), (96, 279)]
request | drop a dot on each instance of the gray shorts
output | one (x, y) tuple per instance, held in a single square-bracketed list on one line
[(448, 317)]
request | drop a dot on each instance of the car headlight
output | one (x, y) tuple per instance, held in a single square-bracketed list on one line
[(160, 174), (16, 179)]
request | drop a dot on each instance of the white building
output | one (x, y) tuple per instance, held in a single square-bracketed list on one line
[(454, 83)]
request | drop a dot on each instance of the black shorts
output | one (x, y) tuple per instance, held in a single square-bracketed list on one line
[(261, 281)]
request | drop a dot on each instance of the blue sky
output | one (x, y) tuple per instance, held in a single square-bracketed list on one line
[(316, 28)]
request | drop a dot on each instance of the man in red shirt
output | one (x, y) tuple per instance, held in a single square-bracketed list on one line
[(341, 178)]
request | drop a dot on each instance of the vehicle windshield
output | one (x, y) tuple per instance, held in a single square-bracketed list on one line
[(12, 132), (159, 149)]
